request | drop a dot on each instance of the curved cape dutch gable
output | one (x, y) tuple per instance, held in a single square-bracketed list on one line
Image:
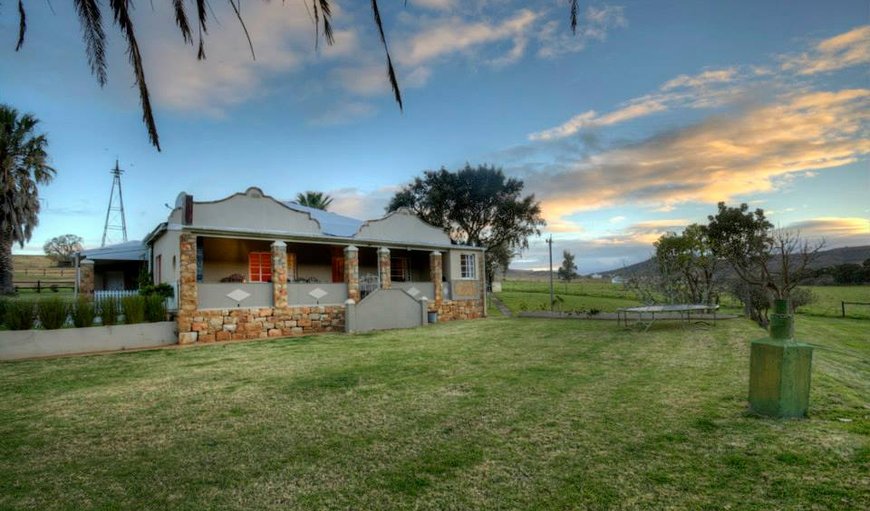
[(402, 226)]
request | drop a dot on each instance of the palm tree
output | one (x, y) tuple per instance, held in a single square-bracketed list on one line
[(316, 200), (23, 166)]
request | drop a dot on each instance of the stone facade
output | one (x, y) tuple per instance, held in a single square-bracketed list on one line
[(436, 272), (238, 324), (187, 296), (279, 274), (86, 278), (351, 272), (384, 268), (452, 310)]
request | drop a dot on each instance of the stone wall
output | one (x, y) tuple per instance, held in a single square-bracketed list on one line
[(452, 310), (238, 324)]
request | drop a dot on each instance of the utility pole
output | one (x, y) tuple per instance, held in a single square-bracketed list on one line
[(119, 208), (552, 297)]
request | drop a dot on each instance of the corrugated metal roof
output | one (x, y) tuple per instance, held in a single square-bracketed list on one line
[(127, 251), (331, 224)]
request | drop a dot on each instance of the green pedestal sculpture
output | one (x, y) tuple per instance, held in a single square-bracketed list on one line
[(779, 369)]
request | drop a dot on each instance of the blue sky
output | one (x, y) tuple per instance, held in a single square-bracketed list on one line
[(637, 125)]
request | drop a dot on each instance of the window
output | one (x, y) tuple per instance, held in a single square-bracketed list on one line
[(467, 266), (399, 269), (158, 269), (260, 267)]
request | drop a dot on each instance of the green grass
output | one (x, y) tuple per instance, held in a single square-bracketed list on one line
[(521, 295), (828, 300), (489, 414), (602, 295)]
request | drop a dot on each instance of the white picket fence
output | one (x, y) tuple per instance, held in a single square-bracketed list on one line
[(115, 293)]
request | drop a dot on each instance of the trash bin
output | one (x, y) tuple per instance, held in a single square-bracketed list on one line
[(433, 317)]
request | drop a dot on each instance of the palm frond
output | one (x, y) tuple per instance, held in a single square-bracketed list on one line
[(574, 9), (244, 27), (91, 21), (327, 21), (22, 25), (121, 11), (201, 17), (181, 21), (394, 82)]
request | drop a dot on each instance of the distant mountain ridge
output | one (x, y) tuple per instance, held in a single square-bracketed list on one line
[(826, 258), (832, 257)]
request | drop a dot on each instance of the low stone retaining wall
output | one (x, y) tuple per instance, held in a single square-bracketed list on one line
[(237, 324), (460, 309), (68, 341)]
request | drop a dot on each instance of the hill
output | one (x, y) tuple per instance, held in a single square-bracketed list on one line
[(826, 258), (832, 257)]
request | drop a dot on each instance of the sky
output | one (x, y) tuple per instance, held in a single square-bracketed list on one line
[(636, 125)]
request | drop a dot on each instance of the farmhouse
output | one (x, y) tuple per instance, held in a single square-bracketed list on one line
[(251, 266)]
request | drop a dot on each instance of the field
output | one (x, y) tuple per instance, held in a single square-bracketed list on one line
[(602, 295), (489, 414)]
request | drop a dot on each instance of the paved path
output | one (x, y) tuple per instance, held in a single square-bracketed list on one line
[(500, 306)]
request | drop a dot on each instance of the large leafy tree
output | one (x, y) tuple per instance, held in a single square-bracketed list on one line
[(62, 248), (317, 200), (23, 167), (687, 265), (475, 205), (91, 13), (769, 261)]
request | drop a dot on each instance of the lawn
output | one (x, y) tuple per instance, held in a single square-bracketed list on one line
[(587, 294), (488, 414)]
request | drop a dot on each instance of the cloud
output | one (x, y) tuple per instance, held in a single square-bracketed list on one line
[(440, 5), (837, 231), (454, 35), (845, 50), (595, 25), (360, 204), (720, 158), (632, 110), (282, 36), (701, 80), (703, 90)]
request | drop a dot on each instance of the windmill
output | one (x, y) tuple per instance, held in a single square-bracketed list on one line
[(115, 219)]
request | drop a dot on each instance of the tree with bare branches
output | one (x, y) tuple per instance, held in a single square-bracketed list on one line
[(774, 261), (91, 13)]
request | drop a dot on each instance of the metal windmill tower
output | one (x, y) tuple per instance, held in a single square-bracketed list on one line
[(115, 212)]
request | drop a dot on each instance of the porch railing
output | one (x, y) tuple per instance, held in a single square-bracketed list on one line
[(114, 293)]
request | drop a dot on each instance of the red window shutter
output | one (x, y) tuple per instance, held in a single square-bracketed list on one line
[(260, 267), (337, 269)]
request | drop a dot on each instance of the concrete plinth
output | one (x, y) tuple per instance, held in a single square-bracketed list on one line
[(779, 370)]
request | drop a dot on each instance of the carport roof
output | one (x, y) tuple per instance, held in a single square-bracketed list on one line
[(127, 251)]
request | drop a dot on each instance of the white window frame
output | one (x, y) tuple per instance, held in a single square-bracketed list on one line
[(466, 271)]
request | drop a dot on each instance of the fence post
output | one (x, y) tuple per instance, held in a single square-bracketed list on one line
[(843, 308)]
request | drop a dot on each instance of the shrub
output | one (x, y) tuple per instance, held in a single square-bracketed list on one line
[(134, 309), (800, 297), (52, 313), (19, 314), (155, 308), (108, 310), (235, 277), (83, 312), (163, 289)]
